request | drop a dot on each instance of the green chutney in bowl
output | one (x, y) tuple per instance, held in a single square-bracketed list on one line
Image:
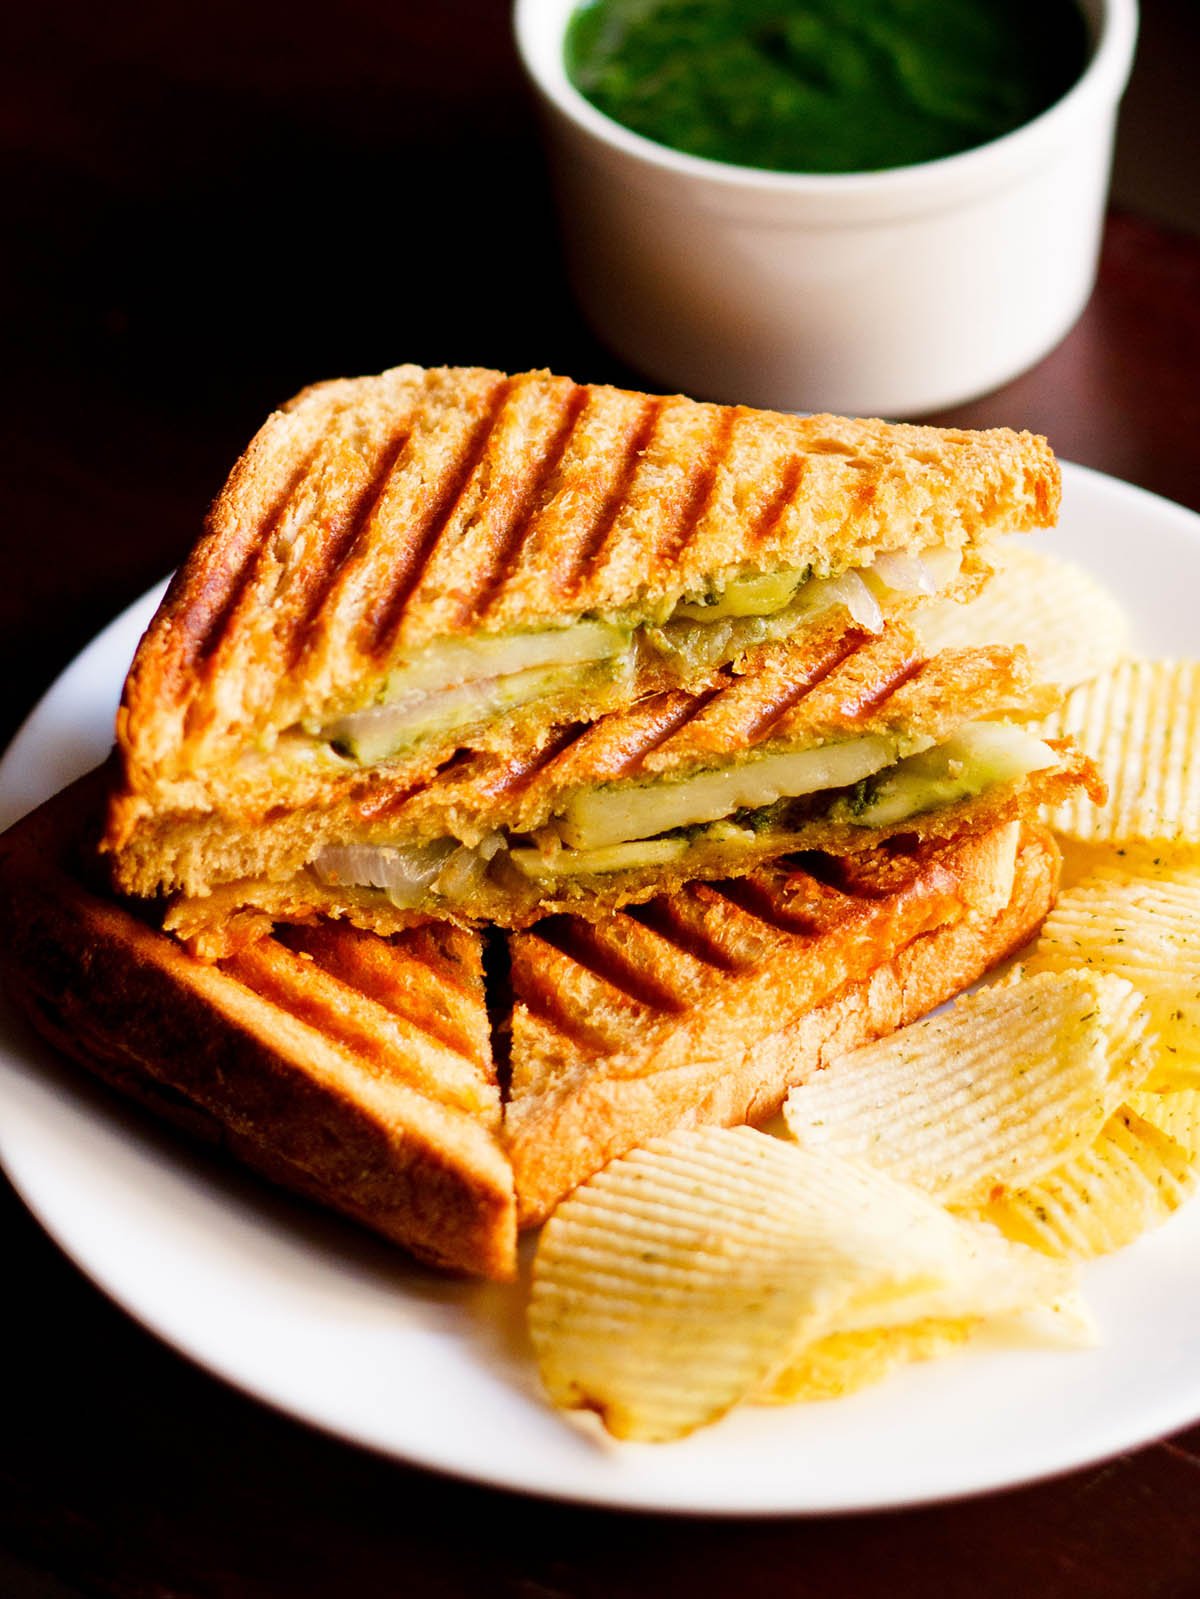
[(825, 86)]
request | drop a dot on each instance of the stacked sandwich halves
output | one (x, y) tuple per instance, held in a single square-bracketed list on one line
[(467, 651), (481, 648)]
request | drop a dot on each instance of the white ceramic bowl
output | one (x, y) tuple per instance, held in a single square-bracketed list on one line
[(890, 293)]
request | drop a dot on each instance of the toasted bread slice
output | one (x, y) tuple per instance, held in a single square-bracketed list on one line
[(354, 1070), (704, 1008), (798, 754), (467, 559)]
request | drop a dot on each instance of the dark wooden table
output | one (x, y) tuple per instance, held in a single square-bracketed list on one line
[(204, 209)]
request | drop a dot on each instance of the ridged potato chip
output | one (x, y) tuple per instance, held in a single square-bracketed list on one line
[(1140, 723), (1176, 1113), (845, 1362), (983, 1274), (1134, 860), (1070, 624), (672, 1283), (1132, 1178), (687, 1276), (994, 1092), (1146, 930)]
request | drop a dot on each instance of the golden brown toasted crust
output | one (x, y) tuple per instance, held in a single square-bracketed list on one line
[(837, 683), (362, 1078), (372, 516), (619, 1036)]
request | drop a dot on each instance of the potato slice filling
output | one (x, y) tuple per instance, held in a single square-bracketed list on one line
[(613, 813), (978, 757)]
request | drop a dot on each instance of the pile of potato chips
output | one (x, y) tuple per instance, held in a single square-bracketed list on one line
[(954, 1173)]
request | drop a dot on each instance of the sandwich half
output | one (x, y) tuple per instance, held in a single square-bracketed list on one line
[(385, 1078), (405, 566), (842, 742), (354, 1070)]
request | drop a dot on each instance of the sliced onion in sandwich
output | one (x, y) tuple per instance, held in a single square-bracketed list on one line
[(847, 589), (403, 874), (905, 573)]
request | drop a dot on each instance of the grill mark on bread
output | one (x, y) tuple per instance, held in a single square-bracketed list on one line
[(377, 802), (425, 991), (585, 945), (739, 713), (774, 510), (520, 776), (492, 580), (838, 653), (839, 699), (616, 747), (481, 778), (677, 716), (679, 724), (424, 540), (346, 540), (223, 590), (374, 1035), (751, 895), (273, 597), (885, 689), (668, 918), (589, 547), (564, 739), (545, 1004), (699, 493), (551, 985)]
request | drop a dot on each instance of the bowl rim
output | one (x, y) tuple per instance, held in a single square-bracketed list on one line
[(539, 27)]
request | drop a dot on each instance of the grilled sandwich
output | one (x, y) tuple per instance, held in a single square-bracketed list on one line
[(842, 741), (407, 566), (372, 1074)]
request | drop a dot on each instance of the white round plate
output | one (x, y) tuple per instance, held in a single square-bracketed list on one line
[(320, 1320)]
